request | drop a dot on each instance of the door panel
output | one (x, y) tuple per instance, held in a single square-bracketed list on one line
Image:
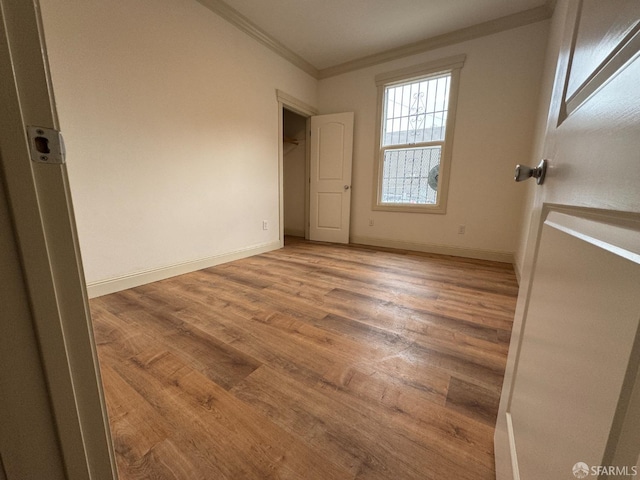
[(331, 151), (330, 182), (573, 359), (329, 210), (581, 330), (599, 33)]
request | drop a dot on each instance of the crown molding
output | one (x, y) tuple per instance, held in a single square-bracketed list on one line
[(509, 22), (247, 26)]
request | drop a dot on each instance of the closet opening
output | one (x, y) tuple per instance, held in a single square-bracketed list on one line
[(295, 174)]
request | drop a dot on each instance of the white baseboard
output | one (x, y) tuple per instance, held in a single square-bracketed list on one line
[(516, 268), (111, 285), (512, 449), (494, 255)]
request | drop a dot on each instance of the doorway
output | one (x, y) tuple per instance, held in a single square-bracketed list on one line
[(294, 159), (328, 153), (295, 116)]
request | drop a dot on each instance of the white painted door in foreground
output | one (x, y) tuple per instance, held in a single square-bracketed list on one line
[(571, 398), (579, 345), (330, 182)]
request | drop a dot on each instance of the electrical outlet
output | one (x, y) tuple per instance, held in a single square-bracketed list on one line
[(371, 222), (265, 225), (461, 229)]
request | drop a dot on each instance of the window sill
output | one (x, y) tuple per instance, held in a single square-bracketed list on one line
[(411, 208)]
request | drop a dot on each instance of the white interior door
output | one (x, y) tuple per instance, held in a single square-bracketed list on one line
[(330, 179), (571, 400)]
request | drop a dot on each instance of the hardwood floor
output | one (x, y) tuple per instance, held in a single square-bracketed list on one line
[(311, 362)]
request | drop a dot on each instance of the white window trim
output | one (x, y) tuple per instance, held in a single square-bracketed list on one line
[(450, 65)]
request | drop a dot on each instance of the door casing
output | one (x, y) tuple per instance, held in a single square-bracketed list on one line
[(42, 214)]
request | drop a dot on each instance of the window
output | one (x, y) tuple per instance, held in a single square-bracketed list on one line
[(416, 114)]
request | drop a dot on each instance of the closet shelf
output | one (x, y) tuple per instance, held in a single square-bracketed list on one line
[(293, 141)]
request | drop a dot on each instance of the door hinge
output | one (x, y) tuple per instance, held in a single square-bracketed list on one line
[(46, 145)]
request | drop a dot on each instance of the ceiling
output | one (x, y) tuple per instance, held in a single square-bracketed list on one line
[(327, 33)]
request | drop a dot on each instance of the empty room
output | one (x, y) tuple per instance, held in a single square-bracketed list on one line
[(249, 239)]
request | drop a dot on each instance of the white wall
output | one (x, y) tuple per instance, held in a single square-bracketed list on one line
[(170, 119), (496, 114), (546, 90), (294, 160)]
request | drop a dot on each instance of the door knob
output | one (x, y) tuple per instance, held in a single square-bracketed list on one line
[(523, 172), (346, 187)]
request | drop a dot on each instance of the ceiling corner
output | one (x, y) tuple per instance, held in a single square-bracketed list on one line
[(234, 17)]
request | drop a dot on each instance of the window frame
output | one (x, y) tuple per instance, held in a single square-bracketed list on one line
[(450, 65)]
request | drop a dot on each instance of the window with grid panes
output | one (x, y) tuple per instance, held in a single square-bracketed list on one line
[(416, 127)]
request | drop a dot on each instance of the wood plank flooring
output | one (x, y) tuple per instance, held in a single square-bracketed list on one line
[(311, 362)]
